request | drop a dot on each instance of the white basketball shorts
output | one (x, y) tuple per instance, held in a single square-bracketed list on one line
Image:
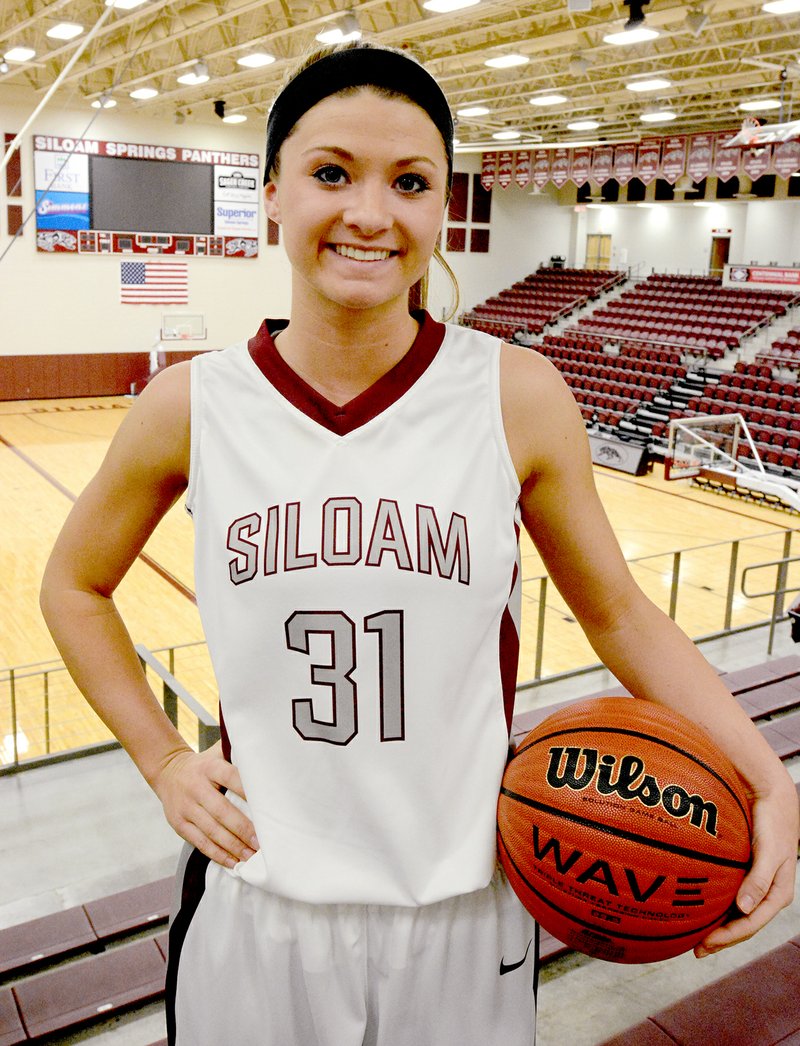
[(250, 968)]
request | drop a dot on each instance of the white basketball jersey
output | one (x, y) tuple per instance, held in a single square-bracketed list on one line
[(358, 580)]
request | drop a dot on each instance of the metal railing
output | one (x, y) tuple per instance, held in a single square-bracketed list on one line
[(43, 718), (671, 580)]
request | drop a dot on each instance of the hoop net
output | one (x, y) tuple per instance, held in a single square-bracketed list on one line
[(719, 447)]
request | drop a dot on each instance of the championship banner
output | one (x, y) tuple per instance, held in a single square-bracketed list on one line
[(649, 155), (522, 168), (505, 169), (581, 165), (602, 163), (726, 161), (673, 158), (757, 161), (559, 167), (541, 168), (488, 170), (624, 163), (786, 158), (698, 162)]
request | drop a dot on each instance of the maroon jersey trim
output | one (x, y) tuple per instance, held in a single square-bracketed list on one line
[(368, 404)]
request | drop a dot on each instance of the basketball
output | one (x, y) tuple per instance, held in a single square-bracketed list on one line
[(623, 829)]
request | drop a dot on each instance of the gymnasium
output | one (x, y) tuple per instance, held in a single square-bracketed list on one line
[(626, 201)]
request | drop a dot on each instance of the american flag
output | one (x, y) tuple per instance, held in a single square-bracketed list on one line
[(153, 283)]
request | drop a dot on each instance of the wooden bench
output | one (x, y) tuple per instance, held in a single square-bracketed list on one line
[(33, 943), (11, 1030), (131, 910), (757, 1005), (100, 986), (763, 691), (86, 927)]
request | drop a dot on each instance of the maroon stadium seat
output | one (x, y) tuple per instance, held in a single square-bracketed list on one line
[(90, 988), (133, 909), (11, 1030), (35, 941)]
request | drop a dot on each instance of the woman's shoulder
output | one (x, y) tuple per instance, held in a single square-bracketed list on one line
[(540, 415)]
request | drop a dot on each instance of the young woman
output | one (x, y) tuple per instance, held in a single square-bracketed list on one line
[(357, 478)]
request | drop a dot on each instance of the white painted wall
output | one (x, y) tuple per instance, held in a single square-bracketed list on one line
[(65, 304), (526, 231), (672, 237), (61, 303)]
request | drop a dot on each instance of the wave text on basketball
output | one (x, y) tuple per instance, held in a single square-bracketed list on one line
[(626, 777)]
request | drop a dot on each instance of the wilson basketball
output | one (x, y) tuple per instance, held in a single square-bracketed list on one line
[(623, 829)]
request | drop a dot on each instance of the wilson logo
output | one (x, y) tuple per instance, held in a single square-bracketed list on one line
[(580, 768)]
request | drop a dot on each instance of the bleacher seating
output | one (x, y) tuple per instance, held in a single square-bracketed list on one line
[(783, 352), (93, 961), (610, 386), (770, 407), (539, 299), (695, 313), (753, 1006), (758, 1004), (62, 970)]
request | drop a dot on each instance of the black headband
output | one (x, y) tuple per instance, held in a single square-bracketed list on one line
[(357, 67)]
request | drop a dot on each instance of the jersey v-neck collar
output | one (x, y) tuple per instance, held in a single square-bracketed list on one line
[(367, 405)]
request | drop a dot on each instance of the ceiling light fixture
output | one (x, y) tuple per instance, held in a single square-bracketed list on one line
[(781, 7), (583, 125), (659, 116), (473, 110), (256, 60), (760, 105), (124, 5), (105, 101), (506, 136), (198, 74), (548, 99), (656, 83), (65, 31), (506, 61), (3, 67), (141, 94), (445, 6), (342, 31), (631, 36), (234, 118), (19, 54)]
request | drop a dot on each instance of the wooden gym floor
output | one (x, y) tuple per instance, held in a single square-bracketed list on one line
[(50, 449)]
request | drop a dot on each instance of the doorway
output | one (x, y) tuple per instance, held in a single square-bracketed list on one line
[(720, 249), (598, 251)]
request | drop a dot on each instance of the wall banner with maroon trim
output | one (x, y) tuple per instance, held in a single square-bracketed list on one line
[(624, 163), (673, 158), (541, 168), (757, 161), (786, 158), (559, 167), (505, 169), (602, 163), (488, 170), (581, 165), (726, 161), (698, 161), (522, 168), (647, 161)]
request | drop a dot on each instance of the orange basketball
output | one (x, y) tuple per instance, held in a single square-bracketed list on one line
[(623, 829)]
